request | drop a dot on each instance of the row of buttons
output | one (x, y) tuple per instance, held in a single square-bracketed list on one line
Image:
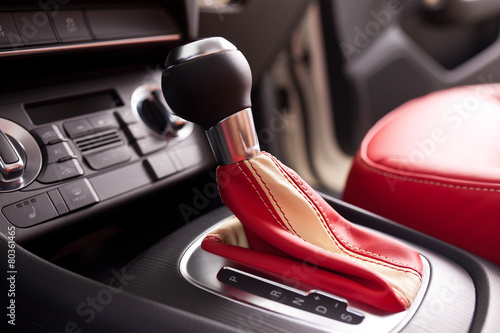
[(53, 25), (105, 127), (314, 302), (82, 127), (26, 28), (49, 205), (60, 161), (100, 140), (102, 132)]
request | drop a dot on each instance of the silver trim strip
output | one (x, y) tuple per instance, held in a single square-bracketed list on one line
[(94, 44)]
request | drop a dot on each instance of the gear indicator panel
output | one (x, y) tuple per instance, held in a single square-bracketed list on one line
[(315, 302)]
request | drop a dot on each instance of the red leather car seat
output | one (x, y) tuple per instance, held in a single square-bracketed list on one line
[(433, 164)]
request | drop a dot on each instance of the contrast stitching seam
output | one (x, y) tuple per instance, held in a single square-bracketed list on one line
[(290, 227), (355, 248), (336, 235), (315, 207), (262, 199)]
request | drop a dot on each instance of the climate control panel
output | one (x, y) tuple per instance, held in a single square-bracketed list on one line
[(91, 145)]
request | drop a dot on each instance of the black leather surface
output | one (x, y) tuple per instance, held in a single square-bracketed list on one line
[(208, 89)]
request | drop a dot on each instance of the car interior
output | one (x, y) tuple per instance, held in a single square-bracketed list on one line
[(250, 165)]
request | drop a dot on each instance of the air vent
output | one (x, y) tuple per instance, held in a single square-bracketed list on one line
[(99, 141)]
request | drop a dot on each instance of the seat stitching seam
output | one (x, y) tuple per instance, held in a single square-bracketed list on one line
[(427, 182)]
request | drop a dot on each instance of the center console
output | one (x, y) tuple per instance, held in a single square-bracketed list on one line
[(102, 155), (252, 300)]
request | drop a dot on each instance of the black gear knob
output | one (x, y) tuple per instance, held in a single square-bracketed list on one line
[(208, 82)]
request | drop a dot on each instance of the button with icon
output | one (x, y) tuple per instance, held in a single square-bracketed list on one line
[(78, 194), (49, 134), (30, 211), (70, 26), (60, 171), (58, 152)]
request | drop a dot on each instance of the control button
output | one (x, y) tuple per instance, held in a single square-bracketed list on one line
[(78, 128), (103, 122), (31, 211), (109, 157), (58, 202), (58, 152), (59, 171), (136, 132), (126, 116), (149, 145), (160, 166), (71, 26), (48, 134), (34, 27), (79, 194), (9, 36), (189, 156)]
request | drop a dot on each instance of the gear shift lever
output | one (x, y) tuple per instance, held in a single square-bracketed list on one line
[(282, 218), (208, 82)]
